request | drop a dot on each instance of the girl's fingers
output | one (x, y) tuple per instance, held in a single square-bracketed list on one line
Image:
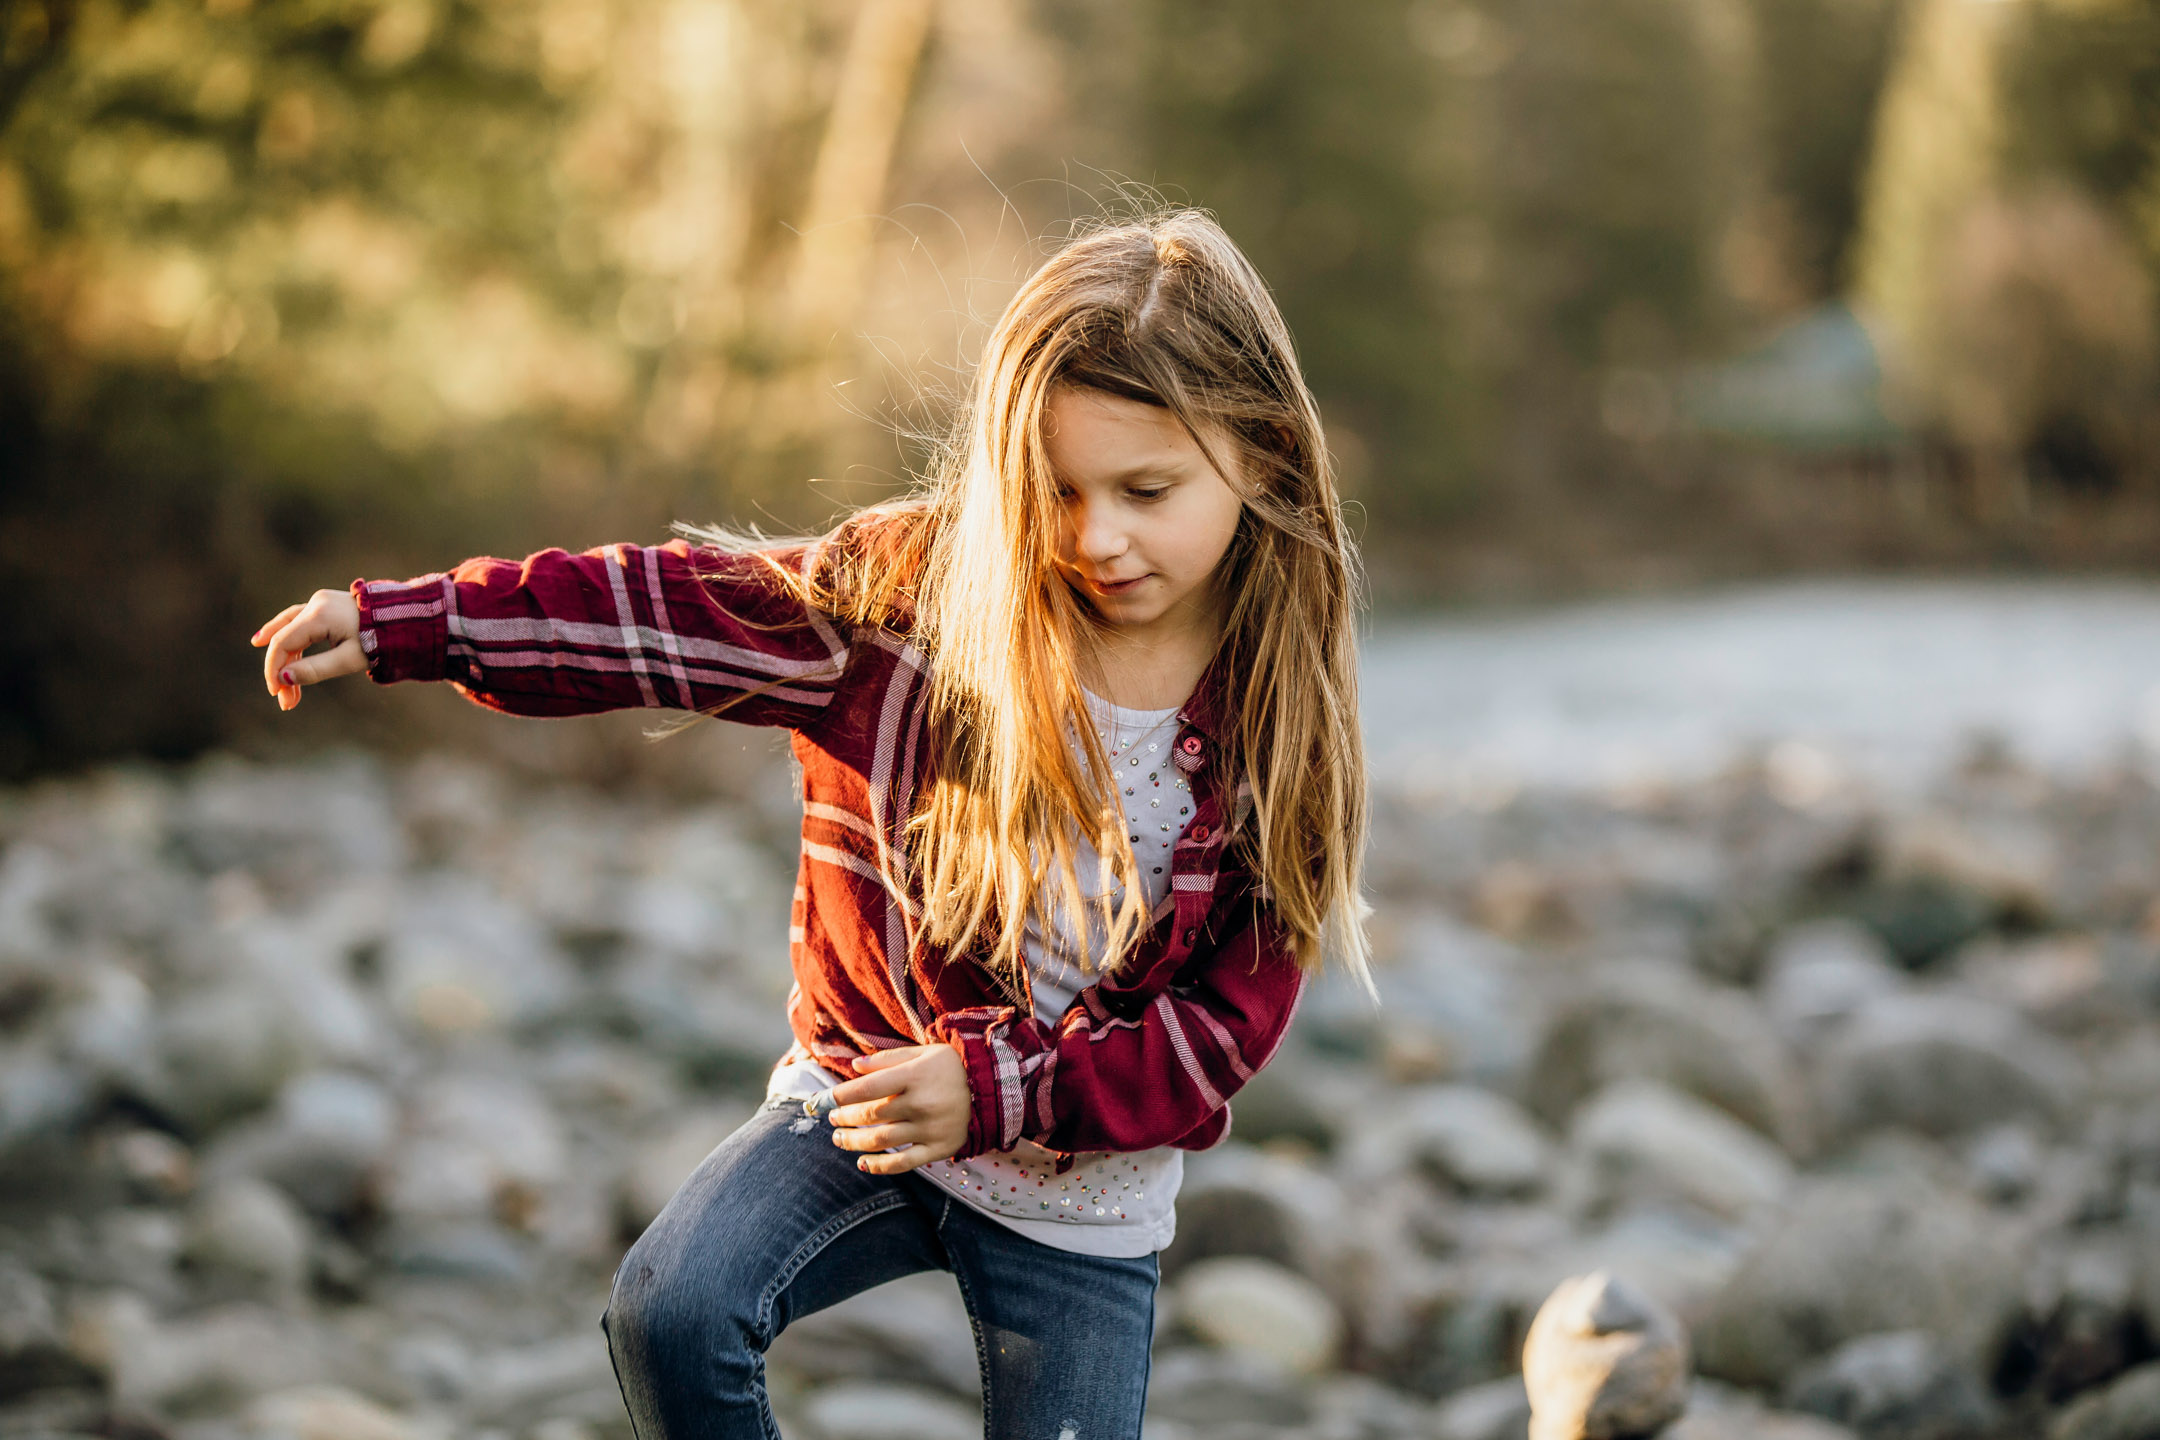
[(873, 1137), (886, 1059), (889, 1110), (343, 658), (873, 1086), (897, 1163), (285, 646), (270, 627)]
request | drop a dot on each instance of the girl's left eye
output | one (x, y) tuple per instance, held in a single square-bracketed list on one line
[(1155, 494)]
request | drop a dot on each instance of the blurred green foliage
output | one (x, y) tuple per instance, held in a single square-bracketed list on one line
[(1478, 212), (2084, 88), (2010, 245)]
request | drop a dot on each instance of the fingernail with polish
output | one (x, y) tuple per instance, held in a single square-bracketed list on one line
[(286, 676)]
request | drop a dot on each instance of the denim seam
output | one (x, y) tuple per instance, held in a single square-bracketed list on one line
[(804, 1253), (982, 1349), (1147, 1353)]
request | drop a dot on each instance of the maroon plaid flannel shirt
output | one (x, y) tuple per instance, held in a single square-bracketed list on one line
[(1146, 1057)]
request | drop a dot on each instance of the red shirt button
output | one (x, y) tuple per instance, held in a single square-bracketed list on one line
[(1201, 832)]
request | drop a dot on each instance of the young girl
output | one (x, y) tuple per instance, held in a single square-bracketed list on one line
[(1083, 802)]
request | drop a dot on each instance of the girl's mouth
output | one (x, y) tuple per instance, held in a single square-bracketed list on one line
[(1104, 587)]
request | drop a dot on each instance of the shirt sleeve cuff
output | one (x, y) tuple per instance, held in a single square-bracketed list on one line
[(404, 627), (971, 1032)]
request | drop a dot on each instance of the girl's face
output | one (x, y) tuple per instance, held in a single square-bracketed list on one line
[(1146, 517)]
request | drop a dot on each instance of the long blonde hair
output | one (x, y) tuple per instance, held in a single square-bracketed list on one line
[(1166, 311)]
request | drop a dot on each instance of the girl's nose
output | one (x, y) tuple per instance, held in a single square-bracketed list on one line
[(1096, 535)]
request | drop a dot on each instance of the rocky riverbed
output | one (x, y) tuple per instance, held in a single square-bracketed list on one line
[(330, 1095)]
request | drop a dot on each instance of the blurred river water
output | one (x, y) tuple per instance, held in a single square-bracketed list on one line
[(1880, 682)]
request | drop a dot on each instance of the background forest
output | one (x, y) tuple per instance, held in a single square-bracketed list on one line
[(1598, 294)]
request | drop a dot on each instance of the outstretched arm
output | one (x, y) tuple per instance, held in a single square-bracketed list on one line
[(624, 626)]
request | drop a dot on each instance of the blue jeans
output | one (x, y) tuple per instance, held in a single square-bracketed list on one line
[(776, 1224)]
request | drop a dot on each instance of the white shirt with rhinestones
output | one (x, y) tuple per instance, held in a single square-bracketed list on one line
[(1106, 1204)]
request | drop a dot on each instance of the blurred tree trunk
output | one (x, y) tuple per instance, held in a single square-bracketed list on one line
[(32, 37), (839, 226), (789, 415), (2018, 312)]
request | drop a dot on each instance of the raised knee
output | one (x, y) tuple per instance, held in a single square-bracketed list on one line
[(661, 1308)]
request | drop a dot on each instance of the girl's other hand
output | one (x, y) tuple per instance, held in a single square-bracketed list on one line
[(912, 1100), (330, 617)]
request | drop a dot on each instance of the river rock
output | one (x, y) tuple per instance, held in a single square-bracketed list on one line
[(303, 959), (1818, 973), (615, 1082), (1755, 1425), (34, 1353), (153, 1164), (891, 1412), (41, 1094), (661, 1163), (717, 1031), (1719, 1412), (1640, 1141), (323, 1142), (1603, 1361), (31, 879), (461, 959), (2128, 1409), (2063, 983), (327, 1412), (478, 1252), (432, 1367), (249, 1230), (2003, 1162), (520, 1380), (2086, 1320), (224, 1049), (1204, 1389), (238, 1350), (2008, 861), (1453, 1004), (326, 819), (1240, 1303), (1360, 1405), (1855, 1256), (1302, 1101), (1494, 1410), (108, 1028), (1943, 1064), (477, 1144), (1898, 1385), (1655, 1021), (1236, 1200), (1468, 1140), (914, 1327), (1680, 1258)]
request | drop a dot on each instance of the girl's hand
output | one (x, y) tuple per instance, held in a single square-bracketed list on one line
[(330, 617), (914, 1096)]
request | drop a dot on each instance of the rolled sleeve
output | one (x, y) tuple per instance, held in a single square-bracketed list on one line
[(404, 627)]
